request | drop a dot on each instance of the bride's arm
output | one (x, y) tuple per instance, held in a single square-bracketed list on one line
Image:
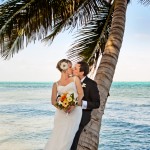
[(54, 94), (79, 90)]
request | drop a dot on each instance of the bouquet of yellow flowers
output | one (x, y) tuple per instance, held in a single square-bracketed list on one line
[(66, 100)]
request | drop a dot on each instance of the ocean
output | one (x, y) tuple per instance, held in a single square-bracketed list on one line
[(26, 116)]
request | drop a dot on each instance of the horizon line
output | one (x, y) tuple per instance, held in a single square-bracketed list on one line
[(54, 81)]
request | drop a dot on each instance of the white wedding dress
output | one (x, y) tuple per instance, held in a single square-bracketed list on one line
[(65, 125)]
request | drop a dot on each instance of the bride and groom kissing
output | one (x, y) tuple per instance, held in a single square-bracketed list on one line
[(67, 128)]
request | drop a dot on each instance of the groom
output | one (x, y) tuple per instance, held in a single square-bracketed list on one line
[(90, 101)]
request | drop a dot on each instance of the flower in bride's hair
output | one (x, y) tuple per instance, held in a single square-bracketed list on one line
[(64, 66)]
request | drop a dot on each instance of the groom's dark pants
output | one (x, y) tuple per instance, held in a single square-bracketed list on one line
[(86, 116)]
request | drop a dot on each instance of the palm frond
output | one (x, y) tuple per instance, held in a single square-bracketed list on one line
[(35, 18), (91, 38), (80, 15), (20, 20), (145, 2)]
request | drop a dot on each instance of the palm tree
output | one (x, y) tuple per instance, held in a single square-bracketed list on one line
[(102, 33), (104, 75)]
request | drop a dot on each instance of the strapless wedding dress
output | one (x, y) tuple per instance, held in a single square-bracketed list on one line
[(65, 125)]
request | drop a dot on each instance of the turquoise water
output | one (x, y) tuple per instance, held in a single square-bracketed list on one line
[(26, 116)]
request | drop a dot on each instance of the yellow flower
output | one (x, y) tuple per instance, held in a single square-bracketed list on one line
[(65, 103), (69, 99)]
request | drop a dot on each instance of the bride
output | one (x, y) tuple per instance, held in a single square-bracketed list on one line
[(66, 122)]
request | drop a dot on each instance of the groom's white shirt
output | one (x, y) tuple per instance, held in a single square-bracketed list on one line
[(84, 103)]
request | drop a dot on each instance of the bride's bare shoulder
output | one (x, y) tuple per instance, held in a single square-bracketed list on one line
[(56, 83), (74, 78)]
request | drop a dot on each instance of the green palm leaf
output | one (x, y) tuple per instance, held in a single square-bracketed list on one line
[(21, 19), (80, 16), (22, 22), (91, 38), (145, 2)]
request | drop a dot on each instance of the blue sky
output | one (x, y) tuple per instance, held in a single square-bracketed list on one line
[(37, 62)]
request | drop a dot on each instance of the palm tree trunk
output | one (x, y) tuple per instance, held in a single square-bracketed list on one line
[(89, 139)]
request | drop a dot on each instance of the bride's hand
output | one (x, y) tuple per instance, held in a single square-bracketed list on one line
[(66, 111), (71, 108)]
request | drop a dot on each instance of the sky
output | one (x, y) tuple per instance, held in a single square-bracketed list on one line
[(38, 61)]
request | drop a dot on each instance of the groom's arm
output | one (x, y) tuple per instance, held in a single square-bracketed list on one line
[(94, 96)]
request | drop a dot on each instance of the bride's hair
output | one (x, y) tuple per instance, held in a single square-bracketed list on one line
[(62, 65)]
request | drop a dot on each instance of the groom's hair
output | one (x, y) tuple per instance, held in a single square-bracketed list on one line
[(84, 67)]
